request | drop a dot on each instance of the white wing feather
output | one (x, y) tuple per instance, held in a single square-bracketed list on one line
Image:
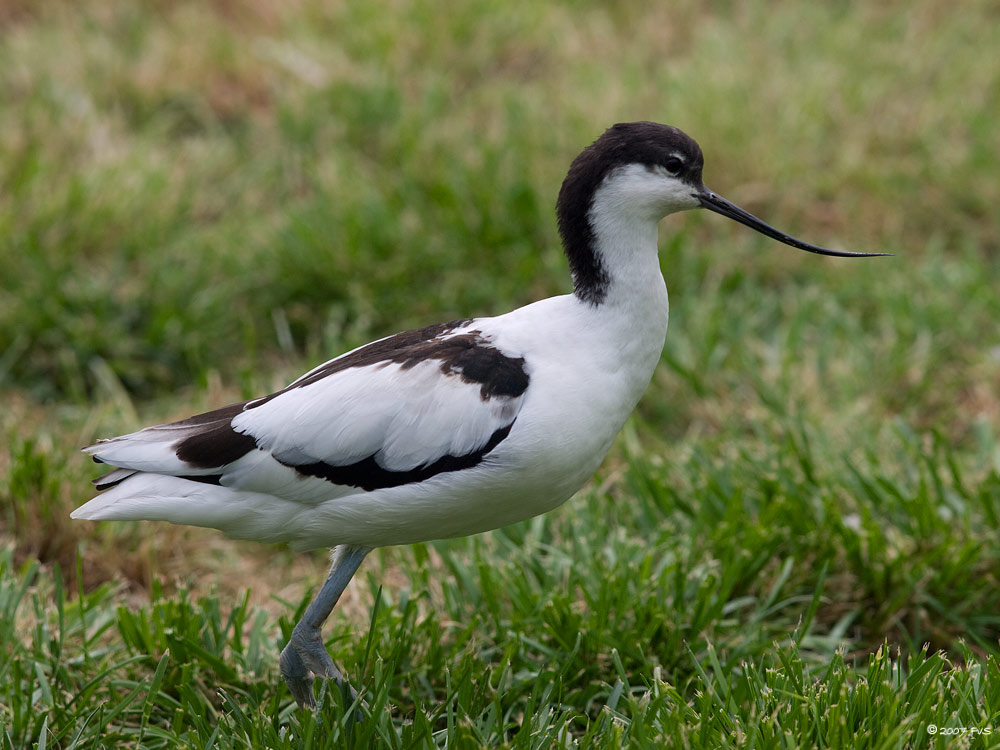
[(405, 417)]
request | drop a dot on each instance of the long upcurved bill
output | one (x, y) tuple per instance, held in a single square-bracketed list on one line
[(715, 202)]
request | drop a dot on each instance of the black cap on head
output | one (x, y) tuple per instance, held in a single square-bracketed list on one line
[(648, 143), (655, 146)]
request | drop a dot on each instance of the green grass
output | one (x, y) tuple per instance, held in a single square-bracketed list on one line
[(795, 543)]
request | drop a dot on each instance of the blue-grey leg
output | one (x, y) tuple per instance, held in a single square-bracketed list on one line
[(305, 654)]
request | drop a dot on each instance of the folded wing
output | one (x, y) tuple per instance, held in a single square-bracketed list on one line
[(399, 410)]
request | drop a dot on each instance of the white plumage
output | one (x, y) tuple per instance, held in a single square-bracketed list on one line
[(406, 418), (449, 430)]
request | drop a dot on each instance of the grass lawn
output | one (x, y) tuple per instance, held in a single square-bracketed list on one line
[(794, 543)]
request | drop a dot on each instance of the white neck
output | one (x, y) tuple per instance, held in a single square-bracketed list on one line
[(632, 314), (625, 245)]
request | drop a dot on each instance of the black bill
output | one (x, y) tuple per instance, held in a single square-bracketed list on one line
[(714, 202)]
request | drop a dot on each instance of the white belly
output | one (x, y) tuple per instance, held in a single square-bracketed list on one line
[(574, 408)]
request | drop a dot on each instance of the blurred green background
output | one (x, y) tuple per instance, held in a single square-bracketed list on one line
[(200, 200)]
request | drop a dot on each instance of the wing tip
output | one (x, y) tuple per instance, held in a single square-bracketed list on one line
[(89, 511), (95, 448)]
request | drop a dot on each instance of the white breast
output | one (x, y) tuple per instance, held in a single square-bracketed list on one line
[(587, 370)]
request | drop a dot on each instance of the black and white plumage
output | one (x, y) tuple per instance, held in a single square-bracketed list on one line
[(333, 457), (448, 430)]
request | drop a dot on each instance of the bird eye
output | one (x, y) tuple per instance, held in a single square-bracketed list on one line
[(673, 165)]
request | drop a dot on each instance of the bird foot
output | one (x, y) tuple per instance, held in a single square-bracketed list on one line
[(305, 656)]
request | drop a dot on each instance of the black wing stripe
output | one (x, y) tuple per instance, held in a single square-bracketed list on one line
[(405, 347), (112, 478), (211, 442), (468, 355), (216, 443), (368, 475)]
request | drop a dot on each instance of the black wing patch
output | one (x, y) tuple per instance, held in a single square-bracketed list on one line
[(469, 355), (215, 443), (369, 475)]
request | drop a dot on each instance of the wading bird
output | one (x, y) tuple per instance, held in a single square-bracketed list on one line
[(449, 430)]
